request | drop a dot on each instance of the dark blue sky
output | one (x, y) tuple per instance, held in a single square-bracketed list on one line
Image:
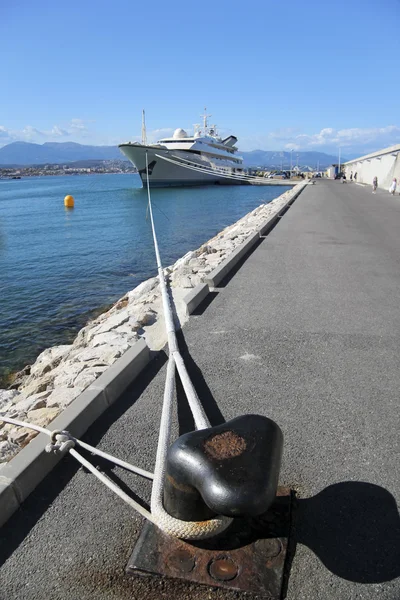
[(279, 75)]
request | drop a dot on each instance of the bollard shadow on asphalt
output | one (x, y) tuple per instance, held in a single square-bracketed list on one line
[(353, 527), (185, 417)]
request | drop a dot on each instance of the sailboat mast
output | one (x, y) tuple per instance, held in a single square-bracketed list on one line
[(144, 136)]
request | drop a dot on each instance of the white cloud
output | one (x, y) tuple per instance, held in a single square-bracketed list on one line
[(29, 133), (327, 139), (76, 127), (153, 135), (3, 132), (348, 138), (157, 134), (292, 147), (284, 133), (58, 132)]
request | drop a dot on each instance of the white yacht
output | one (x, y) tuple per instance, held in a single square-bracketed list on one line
[(201, 159)]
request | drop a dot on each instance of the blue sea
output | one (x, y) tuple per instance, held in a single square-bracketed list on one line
[(60, 266)]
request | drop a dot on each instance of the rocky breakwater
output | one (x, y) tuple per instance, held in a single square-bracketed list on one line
[(42, 390)]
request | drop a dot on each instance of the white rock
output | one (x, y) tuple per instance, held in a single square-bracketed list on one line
[(81, 338), (31, 403), (6, 396), (14, 413), (42, 416), (66, 373), (214, 259), (130, 337), (143, 288), (88, 376), (225, 246), (207, 249), (49, 359), (145, 316), (90, 335), (7, 407), (112, 322), (21, 436), (38, 385), (112, 338), (194, 263), (182, 282), (195, 280), (182, 270), (62, 396), (149, 299), (7, 450), (90, 354)]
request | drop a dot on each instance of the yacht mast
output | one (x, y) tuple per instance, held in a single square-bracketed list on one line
[(205, 125), (144, 136)]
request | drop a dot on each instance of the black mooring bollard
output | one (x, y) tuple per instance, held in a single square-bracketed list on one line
[(231, 469)]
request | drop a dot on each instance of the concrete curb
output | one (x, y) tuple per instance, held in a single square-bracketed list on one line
[(195, 297), (216, 276), (20, 476)]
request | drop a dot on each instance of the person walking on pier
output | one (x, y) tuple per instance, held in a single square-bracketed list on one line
[(374, 184), (355, 177), (393, 187), (351, 176)]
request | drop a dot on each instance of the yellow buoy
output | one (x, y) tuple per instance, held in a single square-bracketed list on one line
[(69, 201)]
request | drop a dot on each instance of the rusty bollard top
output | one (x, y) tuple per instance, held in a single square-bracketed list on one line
[(231, 469)]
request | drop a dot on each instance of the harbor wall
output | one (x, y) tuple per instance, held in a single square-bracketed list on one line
[(384, 164)]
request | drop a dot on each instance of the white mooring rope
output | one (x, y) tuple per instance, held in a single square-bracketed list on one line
[(62, 441), (171, 526)]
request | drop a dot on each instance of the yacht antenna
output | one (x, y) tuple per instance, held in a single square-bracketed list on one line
[(205, 116), (144, 136)]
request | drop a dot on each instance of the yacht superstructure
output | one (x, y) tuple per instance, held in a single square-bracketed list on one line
[(201, 159)]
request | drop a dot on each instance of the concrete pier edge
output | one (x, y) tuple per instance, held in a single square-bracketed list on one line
[(23, 473), (195, 297)]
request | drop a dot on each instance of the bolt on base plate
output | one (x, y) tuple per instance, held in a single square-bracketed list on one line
[(250, 556)]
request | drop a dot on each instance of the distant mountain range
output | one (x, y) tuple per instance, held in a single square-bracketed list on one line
[(25, 153)]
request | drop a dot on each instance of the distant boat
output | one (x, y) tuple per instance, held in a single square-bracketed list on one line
[(201, 159)]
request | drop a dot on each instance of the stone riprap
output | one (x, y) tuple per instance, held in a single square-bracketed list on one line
[(59, 375)]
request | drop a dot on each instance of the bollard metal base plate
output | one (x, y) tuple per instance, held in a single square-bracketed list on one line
[(251, 556)]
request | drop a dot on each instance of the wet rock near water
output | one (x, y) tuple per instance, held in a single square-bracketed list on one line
[(59, 375)]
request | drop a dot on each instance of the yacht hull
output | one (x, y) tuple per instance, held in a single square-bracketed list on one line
[(164, 173)]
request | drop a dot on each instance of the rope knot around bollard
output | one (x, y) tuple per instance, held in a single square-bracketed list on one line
[(60, 441)]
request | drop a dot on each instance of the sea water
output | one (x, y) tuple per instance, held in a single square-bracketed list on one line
[(59, 266)]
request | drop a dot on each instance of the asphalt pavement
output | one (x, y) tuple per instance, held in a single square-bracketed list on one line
[(306, 332)]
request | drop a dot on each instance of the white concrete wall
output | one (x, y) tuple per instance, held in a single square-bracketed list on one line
[(384, 165), (331, 172)]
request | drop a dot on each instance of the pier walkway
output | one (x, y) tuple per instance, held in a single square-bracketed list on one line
[(307, 332)]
